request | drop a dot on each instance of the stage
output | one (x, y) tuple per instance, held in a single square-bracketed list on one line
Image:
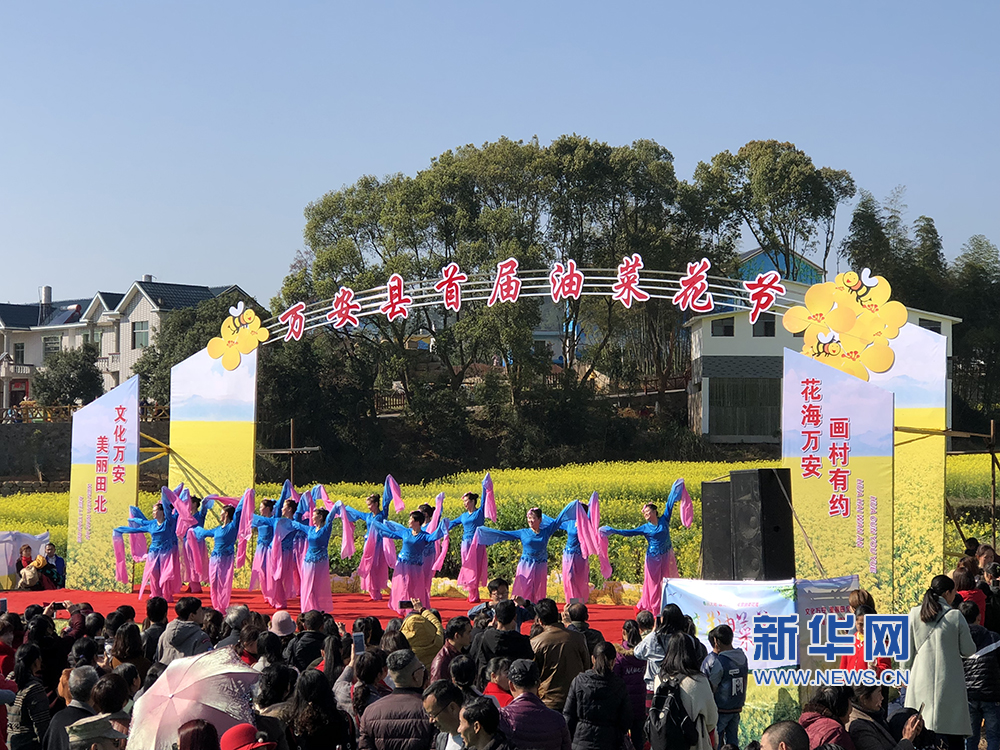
[(346, 607)]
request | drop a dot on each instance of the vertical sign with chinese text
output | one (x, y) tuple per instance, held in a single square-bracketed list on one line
[(837, 440), (104, 482)]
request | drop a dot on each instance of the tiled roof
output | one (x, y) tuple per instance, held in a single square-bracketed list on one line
[(18, 316), (174, 296), (111, 299)]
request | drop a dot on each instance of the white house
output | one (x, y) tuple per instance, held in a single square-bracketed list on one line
[(122, 325)]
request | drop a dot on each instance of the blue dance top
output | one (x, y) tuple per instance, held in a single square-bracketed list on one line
[(162, 536), (265, 530), (317, 539), (414, 545), (657, 535), (472, 520), (534, 546), (224, 536)]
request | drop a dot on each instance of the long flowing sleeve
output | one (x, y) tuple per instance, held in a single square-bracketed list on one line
[(390, 529), (679, 493), (638, 531), (392, 492), (486, 536), (489, 502), (200, 532)]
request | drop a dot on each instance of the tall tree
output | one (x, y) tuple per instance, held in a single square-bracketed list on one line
[(976, 345), (70, 377)]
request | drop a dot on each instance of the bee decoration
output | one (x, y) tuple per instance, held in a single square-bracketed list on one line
[(827, 345), (860, 284)]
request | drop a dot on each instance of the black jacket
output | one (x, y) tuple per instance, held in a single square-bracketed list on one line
[(594, 637), (982, 673), (304, 649), (598, 711), (56, 737), (493, 642)]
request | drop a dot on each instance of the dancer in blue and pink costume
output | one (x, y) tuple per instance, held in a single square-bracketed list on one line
[(533, 567), (472, 576), (282, 565), (315, 567), (410, 581), (660, 559), (163, 569), (223, 558), (578, 549), (379, 552), (259, 577)]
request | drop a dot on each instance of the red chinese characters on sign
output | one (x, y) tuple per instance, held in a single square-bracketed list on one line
[(839, 479), (839, 453), (118, 457), (102, 445), (450, 285), (507, 286), (294, 317), (344, 309), (812, 466), (694, 294), (118, 474), (840, 505), (100, 504), (101, 484), (396, 301), (764, 291), (840, 428), (565, 282), (811, 463), (626, 288)]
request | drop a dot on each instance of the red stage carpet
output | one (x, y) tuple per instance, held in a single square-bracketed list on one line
[(346, 607)]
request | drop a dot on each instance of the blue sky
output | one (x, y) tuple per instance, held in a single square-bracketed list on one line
[(184, 139)]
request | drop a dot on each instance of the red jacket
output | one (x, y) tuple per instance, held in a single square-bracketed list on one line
[(977, 596), (856, 662), (502, 696), (823, 729)]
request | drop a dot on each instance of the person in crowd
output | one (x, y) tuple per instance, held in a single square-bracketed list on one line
[(84, 654), (653, 647), (598, 711), (93, 627), (246, 737), (274, 695), (631, 669), (212, 624), (236, 617), (130, 674), (982, 681), (462, 674), (727, 670), (81, 684), (245, 647), (393, 640), (858, 597), (28, 718), (472, 576), (498, 687), (499, 589), (533, 567), (398, 721), (681, 667), (443, 704), (127, 648), (559, 653), (784, 735), (503, 639), (313, 716), (479, 726), (109, 697), (422, 628), (379, 552), (95, 732), (7, 649), (314, 569), (370, 671), (660, 559), (282, 626), (855, 662), (985, 555), (971, 545), (825, 715), (197, 734), (529, 722), (939, 640), (457, 638), (55, 567), (223, 557), (409, 583), (870, 731), (184, 636), (990, 586), (332, 663), (578, 621), (29, 575), (154, 625), (965, 586), (307, 646), (646, 622), (151, 677)]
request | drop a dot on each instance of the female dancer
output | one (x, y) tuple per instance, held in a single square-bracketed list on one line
[(259, 578), (660, 559), (474, 560), (223, 557), (577, 551), (282, 568), (379, 553), (192, 550), (315, 567), (162, 570), (410, 582), (533, 567)]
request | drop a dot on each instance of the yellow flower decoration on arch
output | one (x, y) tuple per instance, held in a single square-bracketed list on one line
[(847, 323), (239, 334)]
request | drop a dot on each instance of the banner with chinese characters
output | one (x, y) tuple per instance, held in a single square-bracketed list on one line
[(739, 604), (104, 482), (837, 440), (213, 424), (826, 596), (918, 378)]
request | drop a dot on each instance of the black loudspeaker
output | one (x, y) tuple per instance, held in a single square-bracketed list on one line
[(763, 547), (716, 531)]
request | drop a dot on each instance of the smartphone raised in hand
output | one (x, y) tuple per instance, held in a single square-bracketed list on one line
[(406, 604), (359, 643)]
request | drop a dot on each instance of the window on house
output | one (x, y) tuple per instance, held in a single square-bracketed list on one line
[(724, 327), (50, 345), (18, 354), (764, 327), (930, 325), (140, 334)]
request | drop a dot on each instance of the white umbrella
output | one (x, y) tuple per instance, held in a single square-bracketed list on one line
[(215, 686)]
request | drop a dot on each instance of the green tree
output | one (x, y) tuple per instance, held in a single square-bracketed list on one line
[(70, 377), (975, 278)]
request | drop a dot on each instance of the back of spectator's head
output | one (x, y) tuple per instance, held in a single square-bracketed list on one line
[(631, 636), (128, 642), (834, 698), (112, 622), (93, 625), (211, 623), (672, 619), (24, 664), (577, 612), (197, 734), (403, 665), (152, 675), (604, 658), (81, 683), (456, 627), (156, 609), (368, 665), (970, 611), (462, 671), (187, 606), (127, 611), (247, 640), (505, 611), (721, 635), (110, 694), (992, 571), (130, 673), (277, 681), (6, 628), (483, 619), (39, 627), (83, 653), (547, 612), (32, 611), (523, 674), (393, 640), (680, 658), (857, 597), (645, 620), (269, 647), (484, 712), (963, 579), (787, 733), (396, 623), (236, 616), (971, 545), (312, 620), (94, 731)]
